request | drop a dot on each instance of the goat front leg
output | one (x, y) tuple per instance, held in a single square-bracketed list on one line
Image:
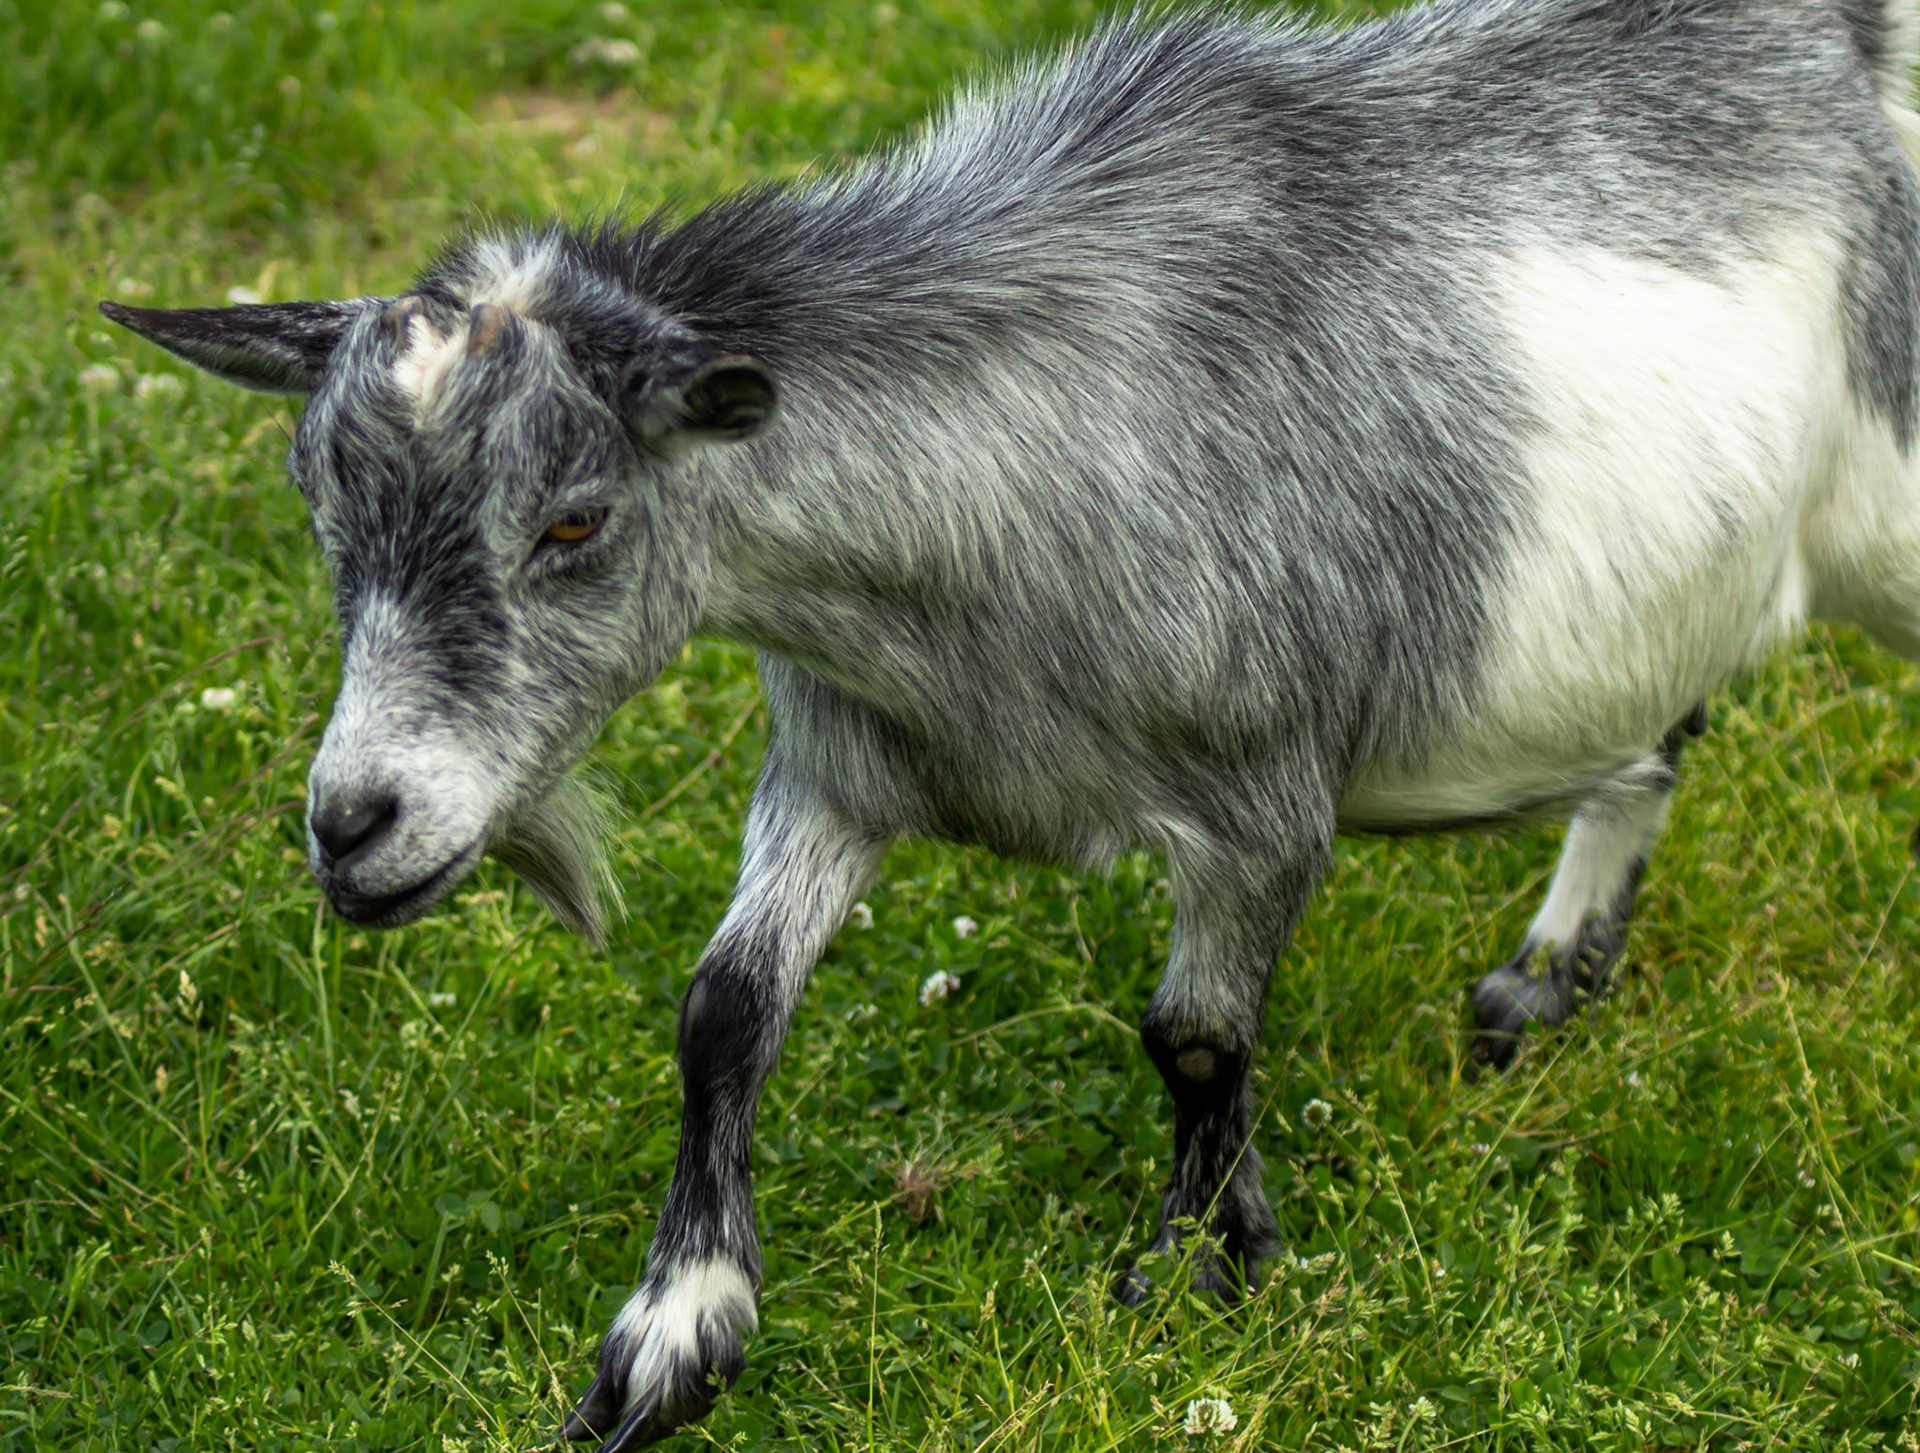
[(1201, 1031), (679, 1337)]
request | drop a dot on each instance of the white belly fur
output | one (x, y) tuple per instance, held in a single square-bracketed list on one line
[(1691, 433)]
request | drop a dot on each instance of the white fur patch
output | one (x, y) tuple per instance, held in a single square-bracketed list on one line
[(505, 273), (1605, 840), (661, 1329), (1688, 424), (422, 369), (511, 274)]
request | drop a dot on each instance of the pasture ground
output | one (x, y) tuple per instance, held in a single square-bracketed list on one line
[(275, 1185)]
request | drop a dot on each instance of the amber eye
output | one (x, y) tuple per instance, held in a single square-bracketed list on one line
[(574, 527)]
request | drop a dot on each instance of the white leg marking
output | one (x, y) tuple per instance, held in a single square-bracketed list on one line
[(660, 1328), (1607, 840)]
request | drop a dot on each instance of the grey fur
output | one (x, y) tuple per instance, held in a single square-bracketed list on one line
[(1138, 458), (558, 845)]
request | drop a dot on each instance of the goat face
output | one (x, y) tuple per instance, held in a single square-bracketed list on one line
[(505, 506)]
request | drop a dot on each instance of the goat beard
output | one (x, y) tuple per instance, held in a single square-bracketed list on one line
[(558, 846)]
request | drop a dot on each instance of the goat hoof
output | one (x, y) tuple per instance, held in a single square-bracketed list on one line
[(1214, 1275), (1505, 1002), (670, 1354)]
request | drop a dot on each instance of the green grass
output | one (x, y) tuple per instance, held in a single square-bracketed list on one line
[(272, 1184)]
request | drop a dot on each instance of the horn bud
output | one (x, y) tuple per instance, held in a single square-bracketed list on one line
[(489, 322), (399, 313)]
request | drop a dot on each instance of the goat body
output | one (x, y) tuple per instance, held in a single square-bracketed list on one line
[(1218, 437)]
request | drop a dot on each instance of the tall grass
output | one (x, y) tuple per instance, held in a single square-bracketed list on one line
[(274, 1184)]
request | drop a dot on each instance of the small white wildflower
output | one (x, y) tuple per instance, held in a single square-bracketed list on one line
[(939, 985), (133, 287), (290, 86), (1633, 1077), (1849, 1359), (111, 11), (219, 698), (1209, 1415), (243, 295), (150, 386), (150, 31), (964, 927), (619, 54), (861, 916), (1317, 1115), (1439, 1272), (99, 378), (1479, 1147), (326, 20), (1806, 1178), (615, 14), (445, 999), (1422, 1410)]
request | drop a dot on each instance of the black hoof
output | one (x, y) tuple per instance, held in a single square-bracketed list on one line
[(598, 1413), (680, 1384), (1133, 1287)]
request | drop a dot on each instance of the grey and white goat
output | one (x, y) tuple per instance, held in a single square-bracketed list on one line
[(1219, 437)]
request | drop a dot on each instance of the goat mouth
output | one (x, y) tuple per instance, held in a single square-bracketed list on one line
[(390, 910)]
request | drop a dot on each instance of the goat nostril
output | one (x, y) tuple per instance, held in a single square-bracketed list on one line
[(352, 827)]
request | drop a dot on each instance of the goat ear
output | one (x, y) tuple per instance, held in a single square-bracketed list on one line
[(277, 348), (725, 398)]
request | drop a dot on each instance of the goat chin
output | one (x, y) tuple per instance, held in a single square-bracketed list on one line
[(557, 845)]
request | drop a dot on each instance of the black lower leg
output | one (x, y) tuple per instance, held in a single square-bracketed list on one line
[(1216, 1178)]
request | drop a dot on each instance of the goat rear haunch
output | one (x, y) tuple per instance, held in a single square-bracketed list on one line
[(1223, 435)]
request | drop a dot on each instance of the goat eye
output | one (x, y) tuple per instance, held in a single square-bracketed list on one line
[(574, 527)]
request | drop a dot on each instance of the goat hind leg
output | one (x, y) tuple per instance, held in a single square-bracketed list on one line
[(1577, 937)]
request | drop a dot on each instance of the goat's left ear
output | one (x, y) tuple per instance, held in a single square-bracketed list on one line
[(726, 398), (277, 348)]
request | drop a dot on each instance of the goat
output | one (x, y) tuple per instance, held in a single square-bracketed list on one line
[(1226, 434)]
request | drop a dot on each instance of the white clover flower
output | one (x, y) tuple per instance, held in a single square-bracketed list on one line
[(290, 87), (1317, 1115), (1479, 1147), (150, 386), (133, 287), (939, 985), (964, 927), (1209, 1415), (615, 14), (99, 378), (150, 31), (1633, 1077), (326, 20), (1422, 1410), (219, 698), (1806, 1178), (861, 916), (620, 54), (111, 11), (243, 295), (445, 999)]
